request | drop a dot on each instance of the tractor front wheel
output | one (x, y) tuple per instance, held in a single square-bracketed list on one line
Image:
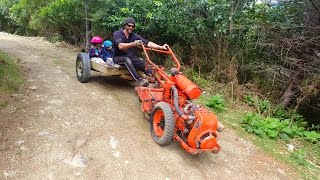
[(162, 123)]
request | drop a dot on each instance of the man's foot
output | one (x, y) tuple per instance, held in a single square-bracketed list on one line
[(143, 82), (151, 79)]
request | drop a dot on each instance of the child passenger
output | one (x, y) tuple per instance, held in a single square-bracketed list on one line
[(95, 52), (107, 52), (95, 48)]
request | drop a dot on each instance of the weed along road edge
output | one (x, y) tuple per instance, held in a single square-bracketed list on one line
[(58, 128)]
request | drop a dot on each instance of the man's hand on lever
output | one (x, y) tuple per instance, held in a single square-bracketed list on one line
[(138, 43), (165, 47)]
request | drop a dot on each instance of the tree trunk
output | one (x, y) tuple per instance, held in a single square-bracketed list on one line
[(88, 28), (288, 94), (292, 91)]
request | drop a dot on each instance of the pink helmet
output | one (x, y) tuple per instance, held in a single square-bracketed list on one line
[(96, 40)]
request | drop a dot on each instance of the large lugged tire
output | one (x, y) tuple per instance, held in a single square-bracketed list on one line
[(83, 67), (162, 123)]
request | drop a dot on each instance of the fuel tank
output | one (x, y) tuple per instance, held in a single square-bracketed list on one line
[(187, 86)]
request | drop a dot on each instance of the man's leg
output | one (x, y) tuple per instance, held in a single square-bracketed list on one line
[(131, 68), (141, 65), (126, 61)]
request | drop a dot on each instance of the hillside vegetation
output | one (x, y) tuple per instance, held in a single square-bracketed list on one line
[(11, 77)]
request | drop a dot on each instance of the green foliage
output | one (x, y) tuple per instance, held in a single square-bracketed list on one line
[(263, 106), (300, 156), (196, 78), (282, 124), (316, 128), (10, 74), (312, 136), (276, 128), (108, 15), (279, 123), (6, 22), (217, 103), (64, 18), (55, 38), (250, 100), (22, 11), (266, 127)]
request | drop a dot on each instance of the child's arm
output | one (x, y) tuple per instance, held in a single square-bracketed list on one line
[(91, 52), (94, 52)]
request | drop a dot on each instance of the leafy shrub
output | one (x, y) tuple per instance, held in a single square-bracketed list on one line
[(262, 106), (280, 112), (300, 156), (265, 107), (316, 128), (249, 100), (200, 81), (55, 38), (10, 74), (217, 103), (276, 128), (312, 136), (266, 127), (194, 77)]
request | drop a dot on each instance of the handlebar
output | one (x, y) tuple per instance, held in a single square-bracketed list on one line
[(169, 51)]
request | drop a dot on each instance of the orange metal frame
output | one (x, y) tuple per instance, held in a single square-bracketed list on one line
[(195, 135)]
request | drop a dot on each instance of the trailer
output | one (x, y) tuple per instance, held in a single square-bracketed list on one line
[(84, 66)]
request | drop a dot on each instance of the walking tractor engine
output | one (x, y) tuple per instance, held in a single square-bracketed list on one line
[(167, 103)]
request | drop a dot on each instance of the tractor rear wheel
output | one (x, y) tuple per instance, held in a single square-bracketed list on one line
[(162, 123), (83, 67)]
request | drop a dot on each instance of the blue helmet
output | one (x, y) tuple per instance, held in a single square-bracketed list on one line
[(107, 43)]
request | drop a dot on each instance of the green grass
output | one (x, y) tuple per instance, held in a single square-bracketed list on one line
[(11, 76), (304, 159)]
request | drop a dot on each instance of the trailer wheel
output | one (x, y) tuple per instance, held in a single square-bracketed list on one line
[(162, 123), (83, 67)]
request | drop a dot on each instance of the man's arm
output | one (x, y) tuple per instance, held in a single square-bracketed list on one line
[(118, 41), (156, 46), (123, 46), (150, 44)]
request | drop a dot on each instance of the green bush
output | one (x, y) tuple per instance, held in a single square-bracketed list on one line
[(194, 77), (276, 128), (299, 156), (55, 38), (264, 106), (312, 136), (10, 74), (265, 127), (217, 103), (250, 100)]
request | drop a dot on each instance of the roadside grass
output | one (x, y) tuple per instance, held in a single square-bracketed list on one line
[(304, 158), (11, 77)]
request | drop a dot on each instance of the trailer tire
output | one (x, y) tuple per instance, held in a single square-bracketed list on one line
[(83, 67), (162, 124)]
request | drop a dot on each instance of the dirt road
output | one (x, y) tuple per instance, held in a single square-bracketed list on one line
[(59, 128)]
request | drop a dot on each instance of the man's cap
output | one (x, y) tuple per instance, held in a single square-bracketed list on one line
[(128, 20)]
